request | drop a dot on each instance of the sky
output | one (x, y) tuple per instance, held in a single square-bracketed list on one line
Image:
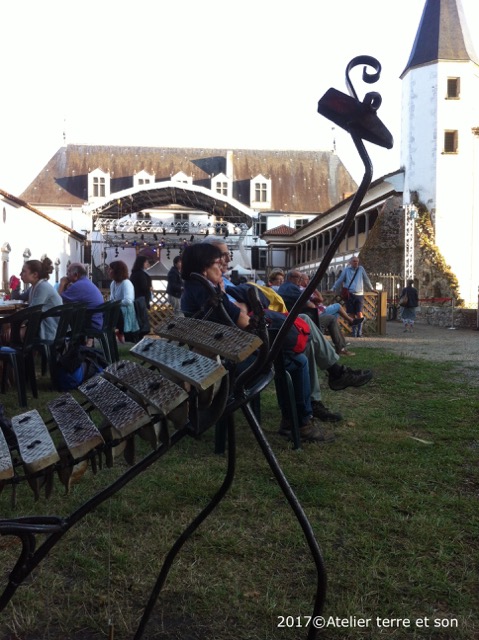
[(223, 74)]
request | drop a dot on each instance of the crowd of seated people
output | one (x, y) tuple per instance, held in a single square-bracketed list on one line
[(210, 259), (76, 287)]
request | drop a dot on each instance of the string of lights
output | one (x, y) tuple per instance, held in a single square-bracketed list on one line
[(110, 242), (137, 226)]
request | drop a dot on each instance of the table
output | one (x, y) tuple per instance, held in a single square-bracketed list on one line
[(7, 307)]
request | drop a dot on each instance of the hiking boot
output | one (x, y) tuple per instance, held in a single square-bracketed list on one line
[(324, 414), (311, 432), (350, 378), (345, 352)]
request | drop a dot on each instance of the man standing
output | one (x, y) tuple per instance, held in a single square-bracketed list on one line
[(174, 287), (77, 287), (355, 279)]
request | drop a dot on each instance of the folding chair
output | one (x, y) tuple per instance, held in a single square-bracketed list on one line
[(106, 334)]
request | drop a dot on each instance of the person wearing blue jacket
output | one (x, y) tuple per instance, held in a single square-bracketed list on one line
[(355, 279)]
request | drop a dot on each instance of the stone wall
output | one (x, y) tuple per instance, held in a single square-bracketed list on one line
[(443, 317), (383, 251)]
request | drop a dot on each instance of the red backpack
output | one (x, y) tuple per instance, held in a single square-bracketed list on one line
[(298, 335)]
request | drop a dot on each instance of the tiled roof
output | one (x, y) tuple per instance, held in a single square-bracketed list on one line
[(22, 203), (282, 230), (301, 180)]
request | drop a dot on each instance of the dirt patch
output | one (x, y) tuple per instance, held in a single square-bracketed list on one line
[(431, 343)]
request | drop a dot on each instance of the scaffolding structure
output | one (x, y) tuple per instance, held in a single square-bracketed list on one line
[(410, 215)]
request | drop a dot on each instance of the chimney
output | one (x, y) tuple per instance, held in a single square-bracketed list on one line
[(229, 165)]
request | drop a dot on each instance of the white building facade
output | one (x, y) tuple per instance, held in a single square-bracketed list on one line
[(440, 137)]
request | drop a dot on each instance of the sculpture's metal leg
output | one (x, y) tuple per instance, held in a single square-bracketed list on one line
[(298, 512), (191, 528)]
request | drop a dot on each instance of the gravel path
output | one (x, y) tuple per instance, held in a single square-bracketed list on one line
[(430, 343)]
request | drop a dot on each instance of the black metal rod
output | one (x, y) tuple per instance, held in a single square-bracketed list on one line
[(333, 247), (298, 512), (191, 528)]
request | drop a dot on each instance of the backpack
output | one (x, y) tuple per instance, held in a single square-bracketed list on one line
[(76, 364), (298, 335)]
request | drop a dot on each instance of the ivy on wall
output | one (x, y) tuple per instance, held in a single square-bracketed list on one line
[(429, 249)]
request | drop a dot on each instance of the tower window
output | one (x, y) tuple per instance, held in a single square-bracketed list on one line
[(450, 142), (453, 88)]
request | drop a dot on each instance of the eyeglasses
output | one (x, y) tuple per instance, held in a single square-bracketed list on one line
[(217, 261), (225, 256)]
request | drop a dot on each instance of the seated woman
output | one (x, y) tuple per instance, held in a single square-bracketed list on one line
[(122, 289), (276, 279), (206, 260), (36, 274)]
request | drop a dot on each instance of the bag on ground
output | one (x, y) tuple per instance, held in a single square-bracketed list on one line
[(76, 364)]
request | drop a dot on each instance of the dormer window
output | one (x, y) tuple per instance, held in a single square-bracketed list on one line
[(260, 189), (98, 185), (222, 188), (182, 177), (99, 188), (143, 178), (453, 88), (222, 184), (260, 192)]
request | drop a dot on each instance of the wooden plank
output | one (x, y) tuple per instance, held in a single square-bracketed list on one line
[(180, 363), (35, 444), (230, 343), (77, 428), (156, 390), (123, 414), (6, 465)]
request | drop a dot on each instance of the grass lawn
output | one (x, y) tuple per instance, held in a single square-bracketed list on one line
[(393, 502)]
